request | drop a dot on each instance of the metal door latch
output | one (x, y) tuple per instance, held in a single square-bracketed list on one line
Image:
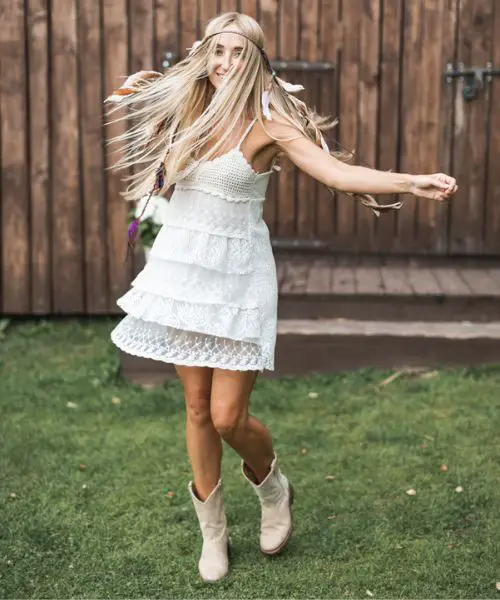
[(472, 77)]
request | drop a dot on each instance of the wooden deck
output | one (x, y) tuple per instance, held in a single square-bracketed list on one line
[(438, 290), (337, 314)]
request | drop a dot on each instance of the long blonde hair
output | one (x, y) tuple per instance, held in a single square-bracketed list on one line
[(175, 115)]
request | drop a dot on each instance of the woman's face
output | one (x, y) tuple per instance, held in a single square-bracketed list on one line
[(227, 57)]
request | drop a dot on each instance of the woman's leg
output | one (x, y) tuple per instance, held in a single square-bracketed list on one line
[(230, 398), (229, 404), (203, 441)]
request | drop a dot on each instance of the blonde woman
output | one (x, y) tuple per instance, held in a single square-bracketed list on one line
[(207, 135)]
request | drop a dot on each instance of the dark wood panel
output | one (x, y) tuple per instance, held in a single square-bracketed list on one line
[(39, 133), (288, 50), (449, 32), (141, 49), (328, 45), (67, 242), (471, 129), (228, 6), (250, 8), (430, 216), (348, 113), (167, 32), (389, 112), (269, 21), (188, 25), (369, 39), (492, 225), (306, 186), (15, 239), (116, 64), (92, 157), (207, 10), (412, 100)]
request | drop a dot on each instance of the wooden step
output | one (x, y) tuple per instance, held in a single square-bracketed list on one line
[(324, 346), (312, 287)]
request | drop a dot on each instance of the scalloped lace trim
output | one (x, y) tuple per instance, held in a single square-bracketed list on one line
[(168, 344)]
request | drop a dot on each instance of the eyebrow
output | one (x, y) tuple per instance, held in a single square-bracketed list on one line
[(220, 46)]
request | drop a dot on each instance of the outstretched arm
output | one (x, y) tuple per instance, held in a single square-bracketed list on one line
[(336, 174)]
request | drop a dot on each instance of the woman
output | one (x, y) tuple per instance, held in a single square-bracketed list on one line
[(212, 127)]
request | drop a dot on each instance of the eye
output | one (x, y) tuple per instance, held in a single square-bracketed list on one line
[(238, 53), (218, 52)]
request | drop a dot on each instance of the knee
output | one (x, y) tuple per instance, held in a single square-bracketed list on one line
[(198, 409), (227, 423)]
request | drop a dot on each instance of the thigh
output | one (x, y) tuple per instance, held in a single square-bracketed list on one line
[(197, 385), (230, 397)]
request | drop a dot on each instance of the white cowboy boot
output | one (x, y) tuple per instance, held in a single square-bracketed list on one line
[(214, 563), (276, 498)]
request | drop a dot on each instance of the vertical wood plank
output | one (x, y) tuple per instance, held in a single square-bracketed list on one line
[(250, 8), (431, 224), (269, 23), (288, 50), (207, 11), (115, 35), (390, 107), (67, 246), (369, 35), (328, 44), (449, 32), (167, 34), (492, 226), (228, 6), (412, 101), (37, 36), (348, 113), (467, 207), (15, 194), (141, 32), (93, 183), (188, 25), (306, 186)]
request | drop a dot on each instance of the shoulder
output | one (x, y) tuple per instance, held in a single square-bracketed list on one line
[(280, 130)]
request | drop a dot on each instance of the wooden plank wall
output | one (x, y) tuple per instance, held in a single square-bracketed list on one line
[(62, 219)]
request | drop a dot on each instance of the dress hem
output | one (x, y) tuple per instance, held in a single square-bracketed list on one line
[(185, 362)]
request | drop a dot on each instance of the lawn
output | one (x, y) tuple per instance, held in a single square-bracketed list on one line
[(94, 473)]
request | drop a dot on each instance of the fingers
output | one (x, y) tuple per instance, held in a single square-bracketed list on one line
[(449, 183), (441, 181)]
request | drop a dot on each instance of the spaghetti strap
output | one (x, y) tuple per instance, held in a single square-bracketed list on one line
[(246, 133)]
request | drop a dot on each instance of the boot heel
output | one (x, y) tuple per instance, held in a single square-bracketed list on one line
[(291, 494)]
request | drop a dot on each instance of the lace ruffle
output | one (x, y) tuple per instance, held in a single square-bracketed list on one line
[(195, 284), (181, 347), (213, 319), (215, 252)]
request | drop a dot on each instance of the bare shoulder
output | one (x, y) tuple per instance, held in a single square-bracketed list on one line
[(278, 127)]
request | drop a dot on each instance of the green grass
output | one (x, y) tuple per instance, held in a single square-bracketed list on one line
[(110, 531)]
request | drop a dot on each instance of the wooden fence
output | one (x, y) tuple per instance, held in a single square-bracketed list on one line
[(62, 218)]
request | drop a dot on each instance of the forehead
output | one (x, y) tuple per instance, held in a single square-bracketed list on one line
[(230, 40)]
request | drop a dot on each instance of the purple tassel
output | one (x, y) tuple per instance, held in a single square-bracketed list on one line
[(133, 228)]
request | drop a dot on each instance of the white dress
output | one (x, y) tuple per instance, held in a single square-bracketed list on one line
[(208, 295)]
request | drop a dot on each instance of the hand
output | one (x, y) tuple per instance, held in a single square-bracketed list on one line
[(436, 187)]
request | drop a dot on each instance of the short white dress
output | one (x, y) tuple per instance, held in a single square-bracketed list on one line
[(208, 293)]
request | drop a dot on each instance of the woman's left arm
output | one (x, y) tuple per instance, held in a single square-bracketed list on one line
[(336, 174)]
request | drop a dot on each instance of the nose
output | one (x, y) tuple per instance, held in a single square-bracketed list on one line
[(226, 62)]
